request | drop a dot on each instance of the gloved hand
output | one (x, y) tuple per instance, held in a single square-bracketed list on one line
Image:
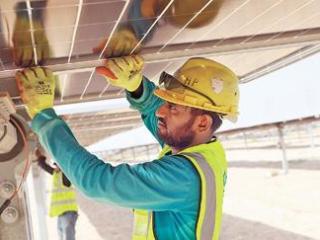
[(36, 86), (23, 52), (121, 44), (123, 72)]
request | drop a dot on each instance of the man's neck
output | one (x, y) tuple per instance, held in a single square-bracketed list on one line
[(195, 143), (177, 150)]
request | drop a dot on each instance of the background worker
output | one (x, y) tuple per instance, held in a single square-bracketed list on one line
[(180, 194), (143, 14), (63, 199)]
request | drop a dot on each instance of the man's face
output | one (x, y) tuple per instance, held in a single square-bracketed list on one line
[(175, 124)]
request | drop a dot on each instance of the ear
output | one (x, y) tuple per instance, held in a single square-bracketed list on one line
[(204, 122)]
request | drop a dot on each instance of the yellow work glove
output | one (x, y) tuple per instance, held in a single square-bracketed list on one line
[(125, 72), (36, 86), (121, 44), (23, 52)]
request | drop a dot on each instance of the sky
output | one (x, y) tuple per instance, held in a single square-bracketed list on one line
[(289, 93)]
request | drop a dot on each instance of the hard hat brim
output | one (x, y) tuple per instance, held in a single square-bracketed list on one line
[(181, 99)]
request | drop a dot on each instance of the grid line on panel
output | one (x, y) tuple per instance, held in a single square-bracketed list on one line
[(297, 35), (74, 34), (279, 20), (29, 9), (282, 62), (152, 26), (111, 34), (296, 25), (238, 29), (270, 27), (64, 79), (120, 92), (104, 89), (87, 85), (64, 6), (186, 25), (106, 45), (115, 27), (75, 29)]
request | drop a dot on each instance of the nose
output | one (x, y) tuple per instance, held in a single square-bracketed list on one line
[(161, 112)]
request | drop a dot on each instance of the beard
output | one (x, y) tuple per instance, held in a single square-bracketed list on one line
[(182, 138)]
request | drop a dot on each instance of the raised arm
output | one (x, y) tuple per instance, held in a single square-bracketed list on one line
[(163, 184), (126, 72)]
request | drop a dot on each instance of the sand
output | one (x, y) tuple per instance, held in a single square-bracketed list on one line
[(260, 203)]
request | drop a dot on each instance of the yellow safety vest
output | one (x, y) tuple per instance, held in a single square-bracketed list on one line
[(63, 199), (210, 162)]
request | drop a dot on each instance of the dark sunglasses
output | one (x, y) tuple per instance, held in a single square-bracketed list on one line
[(170, 82)]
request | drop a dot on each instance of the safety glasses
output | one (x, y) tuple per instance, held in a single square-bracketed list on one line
[(169, 82)]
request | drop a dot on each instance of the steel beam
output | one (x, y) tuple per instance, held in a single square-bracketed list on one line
[(218, 47), (281, 62)]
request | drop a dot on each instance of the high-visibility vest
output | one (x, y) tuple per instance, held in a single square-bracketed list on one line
[(63, 199), (210, 162)]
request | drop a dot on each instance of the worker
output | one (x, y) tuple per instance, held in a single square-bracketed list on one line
[(180, 194), (143, 18), (24, 50), (63, 199)]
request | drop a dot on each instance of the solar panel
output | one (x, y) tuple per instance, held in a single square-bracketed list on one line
[(73, 36)]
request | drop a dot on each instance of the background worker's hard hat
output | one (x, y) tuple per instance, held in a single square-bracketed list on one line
[(204, 84), (181, 11)]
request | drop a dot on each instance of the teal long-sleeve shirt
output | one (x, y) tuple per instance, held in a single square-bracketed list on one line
[(169, 186)]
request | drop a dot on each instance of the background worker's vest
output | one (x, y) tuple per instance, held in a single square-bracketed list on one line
[(63, 199), (210, 162)]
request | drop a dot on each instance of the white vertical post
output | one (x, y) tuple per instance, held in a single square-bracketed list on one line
[(282, 145), (312, 144), (245, 140)]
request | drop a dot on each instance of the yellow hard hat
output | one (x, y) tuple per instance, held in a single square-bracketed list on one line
[(202, 83)]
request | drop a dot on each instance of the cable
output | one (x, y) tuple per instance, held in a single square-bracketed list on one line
[(25, 169)]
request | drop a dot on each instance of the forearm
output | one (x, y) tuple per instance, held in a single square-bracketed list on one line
[(60, 143), (147, 104), (134, 187)]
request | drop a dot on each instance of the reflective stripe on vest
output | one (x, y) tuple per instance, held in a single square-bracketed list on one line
[(207, 163), (63, 199), (142, 225), (206, 216)]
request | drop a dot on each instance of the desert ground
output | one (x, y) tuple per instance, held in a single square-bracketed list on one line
[(260, 203)]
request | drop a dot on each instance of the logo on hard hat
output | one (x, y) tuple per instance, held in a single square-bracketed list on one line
[(189, 81), (217, 85)]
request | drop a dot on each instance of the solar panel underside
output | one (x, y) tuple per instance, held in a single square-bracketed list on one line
[(251, 37)]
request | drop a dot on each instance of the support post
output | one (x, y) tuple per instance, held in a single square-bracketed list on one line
[(282, 145)]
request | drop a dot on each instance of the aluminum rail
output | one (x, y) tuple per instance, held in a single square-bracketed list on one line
[(219, 47), (281, 62)]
